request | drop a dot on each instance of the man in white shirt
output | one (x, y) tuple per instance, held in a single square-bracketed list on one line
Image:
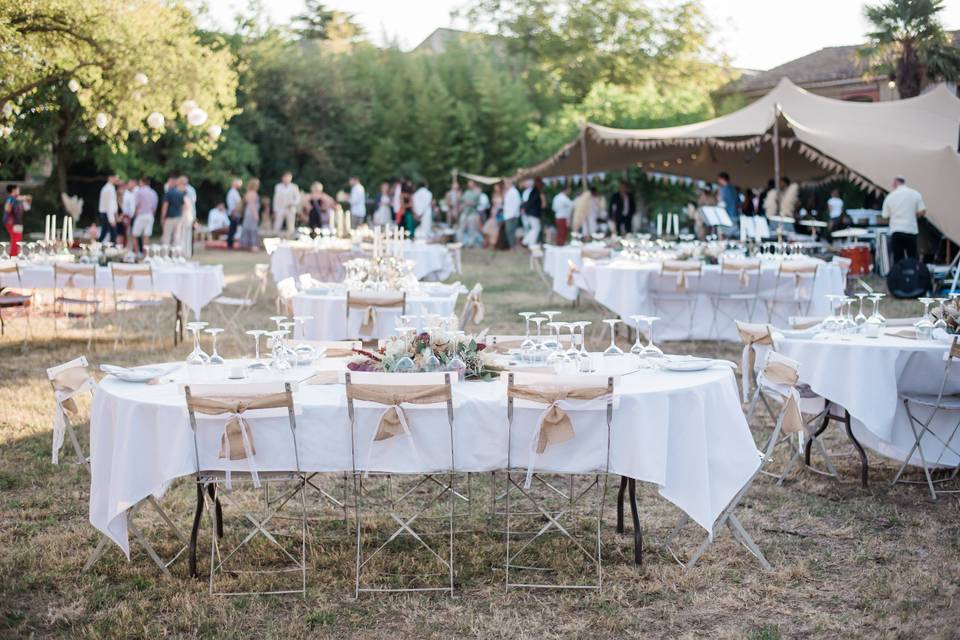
[(511, 211), (286, 203), (234, 202), (218, 222), (902, 207), (358, 201), (423, 211), (562, 207), (108, 208)]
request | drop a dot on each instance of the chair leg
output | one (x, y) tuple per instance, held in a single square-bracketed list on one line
[(864, 465), (96, 553)]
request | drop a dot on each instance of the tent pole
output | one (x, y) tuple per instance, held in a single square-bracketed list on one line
[(776, 165), (583, 156)]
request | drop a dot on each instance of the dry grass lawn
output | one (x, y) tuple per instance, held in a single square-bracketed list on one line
[(881, 562)]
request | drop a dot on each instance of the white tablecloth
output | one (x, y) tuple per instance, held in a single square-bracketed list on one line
[(625, 287), (194, 285), (692, 441), (329, 312), (431, 262), (862, 375), (556, 264)]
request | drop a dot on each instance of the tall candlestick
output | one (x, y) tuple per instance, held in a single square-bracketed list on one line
[(53, 229), (659, 224), (46, 227)]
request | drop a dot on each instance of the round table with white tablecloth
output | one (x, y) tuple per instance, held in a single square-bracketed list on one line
[(557, 261), (693, 441), (193, 285), (863, 375), (328, 308), (624, 286)]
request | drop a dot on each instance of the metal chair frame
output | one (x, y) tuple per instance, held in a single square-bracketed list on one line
[(17, 301), (61, 299), (749, 295), (802, 305), (212, 498), (150, 301), (102, 544), (553, 517), (687, 297), (922, 427), (405, 523)]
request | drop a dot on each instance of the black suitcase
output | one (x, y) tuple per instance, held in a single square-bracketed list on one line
[(909, 278)]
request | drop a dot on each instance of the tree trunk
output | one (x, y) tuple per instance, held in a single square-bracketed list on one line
[(909, 73)]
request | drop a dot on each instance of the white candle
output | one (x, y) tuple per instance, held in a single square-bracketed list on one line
[(70, 235), (659, 224), (46, 227), (53, 228), (63, 232), (676, 223)]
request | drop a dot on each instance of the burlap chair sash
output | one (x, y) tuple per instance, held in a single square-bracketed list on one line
[(236, 442), (9, 267), (130, 272), (781, 374), (369, 303), (72, 271), (743, 268), (554, 425), (394, 420), (681, 268), (572, 271), (66, 385), (954, 349), (473, 309), (799, 269), (751, 335)]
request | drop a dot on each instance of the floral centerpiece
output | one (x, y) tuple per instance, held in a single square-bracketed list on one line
[(464, 355), (383, 272), (950, 312)]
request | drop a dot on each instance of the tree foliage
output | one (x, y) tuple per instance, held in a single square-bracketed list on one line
[(907, 43)]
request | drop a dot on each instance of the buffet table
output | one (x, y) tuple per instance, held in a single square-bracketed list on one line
[(693, 441)]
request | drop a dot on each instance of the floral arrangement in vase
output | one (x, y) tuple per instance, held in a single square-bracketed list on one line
[(425, 352)]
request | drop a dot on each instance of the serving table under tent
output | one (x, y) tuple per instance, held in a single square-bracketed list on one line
[(627, 286)]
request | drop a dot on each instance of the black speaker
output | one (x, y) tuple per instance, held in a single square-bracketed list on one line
[(909, 278)]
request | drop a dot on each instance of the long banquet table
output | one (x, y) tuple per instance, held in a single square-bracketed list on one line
[(684, 432), (324, 259), (193, 285), (863, 375), (624, 287)]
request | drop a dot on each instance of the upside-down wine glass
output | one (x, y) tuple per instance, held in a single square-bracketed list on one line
[(651, 351), (550, 342), (257, 364), (861, 318), (215, 358), (924, 326), (527, 341), (637, 347), (613, 349), (197, 356), (941, 322)]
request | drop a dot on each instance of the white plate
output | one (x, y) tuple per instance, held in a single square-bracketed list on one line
[(687, 363), (138, 374)]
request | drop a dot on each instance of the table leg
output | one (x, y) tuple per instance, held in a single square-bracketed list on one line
[(195, 531), (623, 487), (178, 324), (864, 468), (820, 429), (637, 531)]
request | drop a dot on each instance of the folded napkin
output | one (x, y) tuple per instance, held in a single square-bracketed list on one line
[(909, 334)]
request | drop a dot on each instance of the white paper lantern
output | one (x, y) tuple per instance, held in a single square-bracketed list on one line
[(140, 78), (214, 130), (101, 120), (73, 85), (197, 117), (156, 120), (187, 106)]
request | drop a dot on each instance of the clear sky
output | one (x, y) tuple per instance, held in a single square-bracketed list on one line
[(757, 34)]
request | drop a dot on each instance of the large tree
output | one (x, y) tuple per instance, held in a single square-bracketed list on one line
[(110, 69), (907, 43)]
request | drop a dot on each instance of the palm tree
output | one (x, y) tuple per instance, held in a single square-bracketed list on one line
[(907, 43)]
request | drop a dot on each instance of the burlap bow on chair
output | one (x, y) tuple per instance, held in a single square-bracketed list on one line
[(369, 303), (72, 271), (394, 421), (751, 335), (781, 374), (555, 425), (799, 268), (681, 268), (572, 271), (236, 442), (66, 384), (743, 269)]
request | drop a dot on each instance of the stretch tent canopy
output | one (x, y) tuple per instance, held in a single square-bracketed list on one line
[(820, 139)]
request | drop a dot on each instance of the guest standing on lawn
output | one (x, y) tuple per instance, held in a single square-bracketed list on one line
[(234, 202), (250, 228), (511, 212), (562, 207), (144, 212), (171, 213), (286, 203), (358, 201), (13, 208), (108, 208)]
